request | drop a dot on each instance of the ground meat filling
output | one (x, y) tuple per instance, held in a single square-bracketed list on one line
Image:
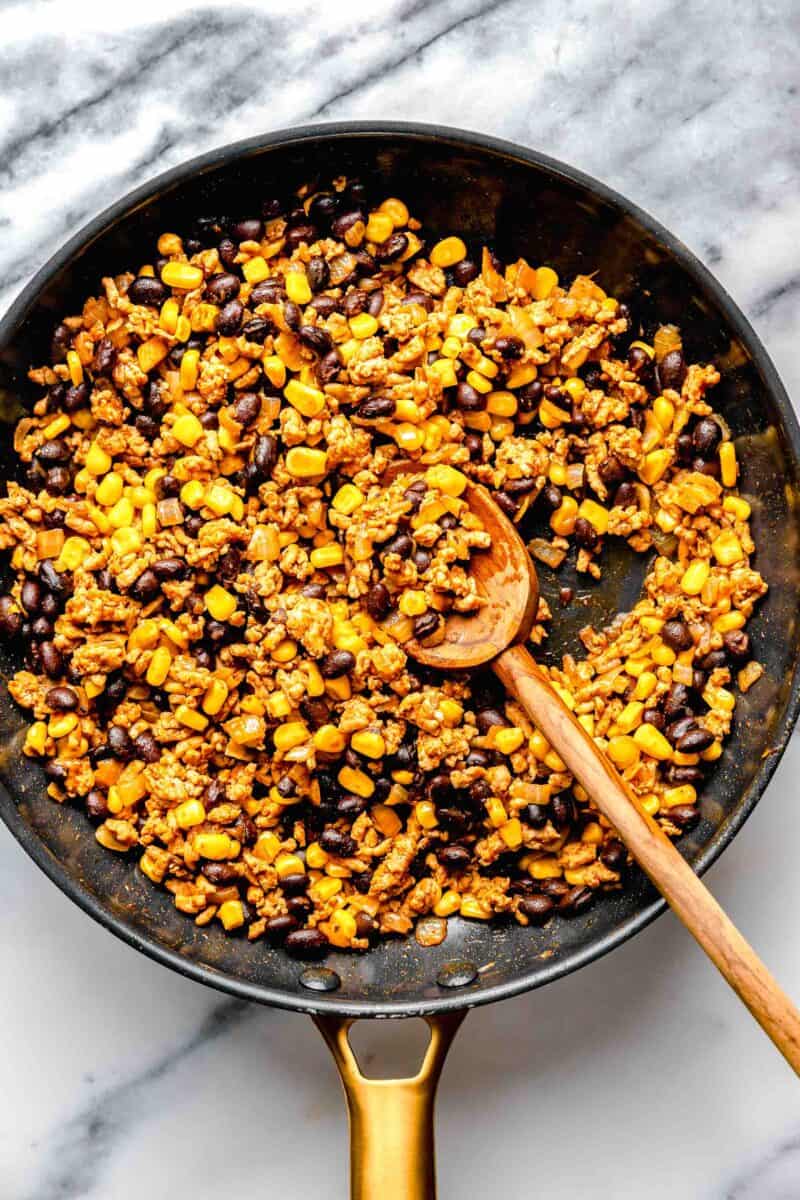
[(215, 587)]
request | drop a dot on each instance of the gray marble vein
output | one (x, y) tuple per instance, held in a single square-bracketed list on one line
[(640, 1077)]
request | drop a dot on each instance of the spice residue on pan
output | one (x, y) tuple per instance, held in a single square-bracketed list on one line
[(214, 588)]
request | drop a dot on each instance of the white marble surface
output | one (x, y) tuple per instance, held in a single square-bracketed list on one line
[(638, 1077)]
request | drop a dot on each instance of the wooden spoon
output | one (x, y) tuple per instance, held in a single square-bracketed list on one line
[(494, 636)]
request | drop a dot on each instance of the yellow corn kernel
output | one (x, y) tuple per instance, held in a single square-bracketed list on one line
[(695, 577), (511, 833), (593, 833), (325, 889), (509, 740), (298, 288), (150, 353), (331, 555), (713, 752), (231, 914), (144, 636), (623, 751), (316, 857), (368, 743), (451, 347), (496, 812), (395, 209), (444, 371), (546, 280), (216, 846), (520, 376), (449, 904), (562, 521), (97, 460), (289, 735), (452, 712), (356, 781), (191, 812), (193, 493), (191, 718), (595, 514), (459, 325), (329, 740), (502, 404), (75, 368), (664, 412), (654, 465), (479, 382), (220, 603), (379, 227), (126, 541), (476, 910), (342, 926), (316, 684), (285, 651), (188, 370), (62, 725), (304, 463), (545, 868), (278, 706), (36, 738), (108, 841), (363, 326), (219, 498), (122, 514), (215, 697), (645, 685), (158, 668), (630, 716), (448, 252), (663, 655), (539, 745), (347, 499), (425, 812), (729, 469), (204, 318), (187, 430), (413, 603), (727, 549), (109, 490), (649, 739), (684, 794), (181, 275), (289, 864), (267, 847), (446, 479), (256, 269), (729, 621), (50, 542), (308, 400), (408, 437), (73, 552), (737, 506)]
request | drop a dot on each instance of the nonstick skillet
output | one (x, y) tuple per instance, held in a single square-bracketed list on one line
[(521, 203)]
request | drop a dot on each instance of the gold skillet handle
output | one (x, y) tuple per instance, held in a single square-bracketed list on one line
[(391, 1120)]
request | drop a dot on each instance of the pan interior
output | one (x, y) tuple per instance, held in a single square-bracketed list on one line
[(519, 205)]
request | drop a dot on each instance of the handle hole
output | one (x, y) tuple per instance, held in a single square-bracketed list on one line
[(390, 1049)]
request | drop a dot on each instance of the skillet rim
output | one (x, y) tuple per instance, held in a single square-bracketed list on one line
[(228, 155)]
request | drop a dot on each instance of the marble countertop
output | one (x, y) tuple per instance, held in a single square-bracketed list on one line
[(642, 1076)]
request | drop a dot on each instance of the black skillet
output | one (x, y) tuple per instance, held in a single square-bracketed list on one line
[(520, 202)]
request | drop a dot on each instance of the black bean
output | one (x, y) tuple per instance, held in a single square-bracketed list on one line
[(344, 222), (49, 606), (52, 660), (229, 564), (351, 807), (169, 568), (737, 645), (120, 743), (562, 810), (147, 748), (339, 844), (611, 471), (586, 535), (247, 408), (706, 437), (53, 520), (316, 711), (31, 596), (378, 601), (41, 628), (230, 318), (307, 943), (555, 888), (97, 805), (625, 496), (464, 272), (551, 495), (537, 909), (529, 397), (294, 885), (510, 347), (203, 658), (685, 816), (469, 399), (711, 661), (565, 596), (375, 302), (328, 367), (536, 815), (299, 234), (672, 370), (58, 481), (678, 728), (76, 398), (683, 774), (63, 699), (576, 900), (10, 618), (149, 291), (487, 718), (292, 315), (639, 360), (706, 467), (695, 740), (257, 329), (426, 625), (355, 302), (677, 701), (394, 246), (54, 451), (614, 855), (265, 455), (222, 287), (315, 590), (318, 273), (676, 635), (249, 230), (685, 448), (422, 298), (325, 306), (474, 444), (60, 343), (507, 504), (220, 873), (401, 544), (145, 587), (315, 339), (277, 929), (520, 487), (227, 250), (422, 559), (478, 758), (269, 291), (337, 663)]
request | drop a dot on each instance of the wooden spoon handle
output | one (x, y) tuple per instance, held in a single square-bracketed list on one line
[(655, 853)]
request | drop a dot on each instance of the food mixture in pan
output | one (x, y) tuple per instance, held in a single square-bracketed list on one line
[(216, 591)]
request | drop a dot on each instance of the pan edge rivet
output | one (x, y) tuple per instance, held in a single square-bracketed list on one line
[(457, 973), (320, 979)]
